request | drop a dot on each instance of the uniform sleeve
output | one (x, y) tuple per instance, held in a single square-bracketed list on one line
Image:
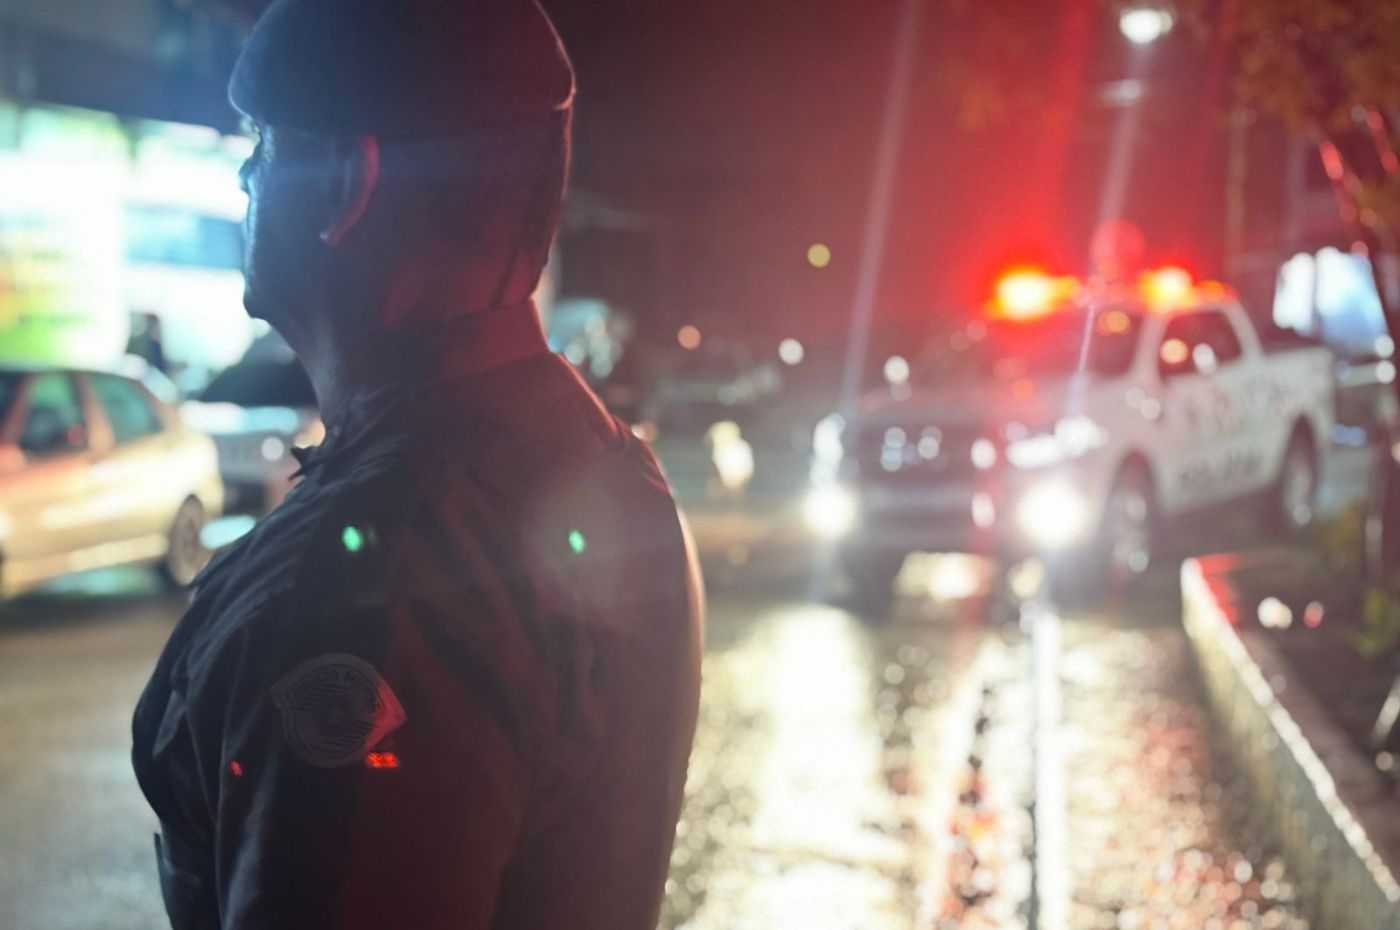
[(372, 773)]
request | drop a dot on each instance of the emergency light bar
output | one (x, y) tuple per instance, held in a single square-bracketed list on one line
[(1024, 294)]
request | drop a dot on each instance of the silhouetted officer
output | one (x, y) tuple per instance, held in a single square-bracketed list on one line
[(452, 681)]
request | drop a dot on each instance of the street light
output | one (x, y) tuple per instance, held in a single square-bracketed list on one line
[(1145, 25)]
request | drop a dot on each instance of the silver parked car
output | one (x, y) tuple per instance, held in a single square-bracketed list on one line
[(97, 471), (257, 411)]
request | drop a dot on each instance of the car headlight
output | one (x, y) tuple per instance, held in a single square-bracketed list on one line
[(1069, 439), (1053, 515), (830, 511), (828, 448)]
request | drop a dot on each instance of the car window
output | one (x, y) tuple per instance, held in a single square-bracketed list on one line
[(9, 390), (53, 424), (1198, 342), (127, 407)]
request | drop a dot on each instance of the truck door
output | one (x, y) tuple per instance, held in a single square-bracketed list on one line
[(1212, 456)]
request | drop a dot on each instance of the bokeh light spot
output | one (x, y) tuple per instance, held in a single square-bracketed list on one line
[(791, 352)]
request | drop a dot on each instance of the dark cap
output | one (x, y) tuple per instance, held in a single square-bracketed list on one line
[(407, 68)]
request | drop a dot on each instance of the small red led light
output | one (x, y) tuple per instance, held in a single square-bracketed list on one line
[(382, 760), (236, 768)]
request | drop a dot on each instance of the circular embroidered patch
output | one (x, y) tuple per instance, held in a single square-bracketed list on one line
[(335, 709)]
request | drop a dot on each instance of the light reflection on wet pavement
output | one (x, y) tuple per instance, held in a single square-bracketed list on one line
[(1160, 836), (845, 776), (860, 778), (817, 752)]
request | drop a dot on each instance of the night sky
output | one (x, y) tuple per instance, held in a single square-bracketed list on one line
[(748, 129), (745, 131)]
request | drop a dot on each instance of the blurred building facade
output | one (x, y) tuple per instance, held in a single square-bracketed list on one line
[(119, 195), (152, 59), (1290, 251)]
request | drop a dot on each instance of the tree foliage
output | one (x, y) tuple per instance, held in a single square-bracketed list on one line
[(1331, 70)]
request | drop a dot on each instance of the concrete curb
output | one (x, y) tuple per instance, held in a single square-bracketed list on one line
[(1330, 815)]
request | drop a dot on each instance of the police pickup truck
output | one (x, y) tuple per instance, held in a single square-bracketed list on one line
[(1072, 423)]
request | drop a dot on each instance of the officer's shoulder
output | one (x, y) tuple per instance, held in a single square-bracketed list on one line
[(344, 553)]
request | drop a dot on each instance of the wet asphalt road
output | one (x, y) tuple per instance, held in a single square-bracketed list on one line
[(847, 775), (75, 833)]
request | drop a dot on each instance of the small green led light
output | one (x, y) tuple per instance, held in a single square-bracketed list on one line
[(578, 542), (353, 539)]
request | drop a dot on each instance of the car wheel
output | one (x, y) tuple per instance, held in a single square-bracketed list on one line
[(185, 554), (1295, 494)]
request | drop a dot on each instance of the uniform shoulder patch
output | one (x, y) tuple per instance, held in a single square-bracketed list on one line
[(335, 709)]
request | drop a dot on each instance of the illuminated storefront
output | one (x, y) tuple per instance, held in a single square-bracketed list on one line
[(104, 220)]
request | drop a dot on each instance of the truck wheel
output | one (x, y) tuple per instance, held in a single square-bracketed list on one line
[(872, 577), (1128, 536), (1123, 550), (185, 554), (1295, 493)]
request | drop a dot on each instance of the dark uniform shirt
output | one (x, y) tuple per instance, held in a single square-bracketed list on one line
[(450, 683)]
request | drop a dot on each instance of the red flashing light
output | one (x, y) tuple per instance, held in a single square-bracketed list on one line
[(1028, 293), (1171, 287), (235, 768), (1168, 287), (1208, 291)]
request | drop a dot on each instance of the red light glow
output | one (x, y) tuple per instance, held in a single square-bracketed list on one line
[(382, 760), (1168, 287), (1028, 293)]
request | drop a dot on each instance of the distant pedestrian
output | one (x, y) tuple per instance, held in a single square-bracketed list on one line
[(148, 343), (452, 682)]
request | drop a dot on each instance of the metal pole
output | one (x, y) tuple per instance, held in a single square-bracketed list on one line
[(877, 221)]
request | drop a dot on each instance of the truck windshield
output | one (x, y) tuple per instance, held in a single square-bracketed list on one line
[(1005, 350)]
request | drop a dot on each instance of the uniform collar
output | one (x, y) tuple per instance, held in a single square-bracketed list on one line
[(459, 349)]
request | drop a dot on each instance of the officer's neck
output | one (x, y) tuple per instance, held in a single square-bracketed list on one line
[(347, 368)]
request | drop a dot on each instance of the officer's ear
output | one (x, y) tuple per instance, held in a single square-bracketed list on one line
[(357, 178)]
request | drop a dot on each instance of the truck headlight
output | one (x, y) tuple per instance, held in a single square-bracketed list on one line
[(1053, 515), (828, 448), (830, 511)]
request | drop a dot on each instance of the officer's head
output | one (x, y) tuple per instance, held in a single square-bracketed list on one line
[(412, 153)]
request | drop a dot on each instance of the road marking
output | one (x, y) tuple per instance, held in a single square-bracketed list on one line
[(1050, 888)]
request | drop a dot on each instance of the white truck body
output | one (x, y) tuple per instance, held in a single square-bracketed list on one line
[(1188, 392)]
